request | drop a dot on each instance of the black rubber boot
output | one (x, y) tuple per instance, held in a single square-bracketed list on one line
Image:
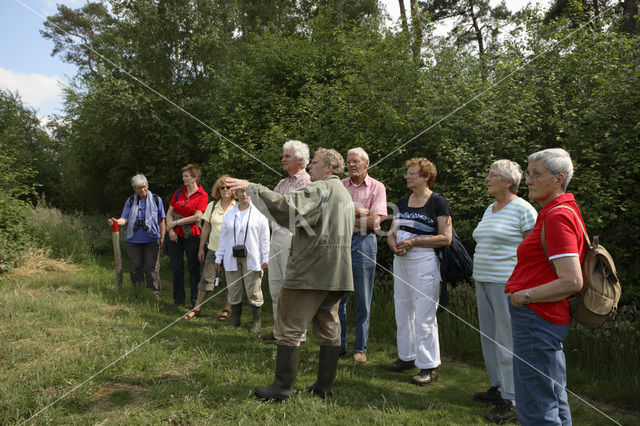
[(327, 366), (236, 312), (286, 372), (256, 324)]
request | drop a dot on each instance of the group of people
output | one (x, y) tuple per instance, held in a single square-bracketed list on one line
[(323, 246)]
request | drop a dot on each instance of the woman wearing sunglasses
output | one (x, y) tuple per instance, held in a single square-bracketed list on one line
[(224, 200)]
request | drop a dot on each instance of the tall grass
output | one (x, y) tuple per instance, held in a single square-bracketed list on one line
[(76, 237)]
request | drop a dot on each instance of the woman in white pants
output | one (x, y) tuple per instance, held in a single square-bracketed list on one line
[(423, 223)]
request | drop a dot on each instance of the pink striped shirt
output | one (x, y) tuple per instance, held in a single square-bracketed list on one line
[(370, 194)]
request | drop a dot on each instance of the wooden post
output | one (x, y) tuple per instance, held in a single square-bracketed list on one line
[(115, 239)]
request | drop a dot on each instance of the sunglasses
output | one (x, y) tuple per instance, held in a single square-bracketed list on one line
[(225, 187)]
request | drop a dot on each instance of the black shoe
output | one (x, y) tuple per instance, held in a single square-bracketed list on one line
[(400, 365), (343, 353), (425, 377), (503, 412), (268, 337), (492, 395)]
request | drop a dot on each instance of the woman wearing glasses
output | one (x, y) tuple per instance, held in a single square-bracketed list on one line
[(548, 271), (143, 214), (423, 223), (224, 200), (185, 211), (505, 223)]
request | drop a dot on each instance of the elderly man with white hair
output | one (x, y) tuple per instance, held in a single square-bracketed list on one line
[(295, 157), (370, 201)]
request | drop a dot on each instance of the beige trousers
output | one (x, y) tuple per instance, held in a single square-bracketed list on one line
[(246, 281), (298, 308)]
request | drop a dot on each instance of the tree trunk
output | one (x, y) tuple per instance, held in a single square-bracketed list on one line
[(416, 24), (337, 8), (476, 28), (403, 19), (629, 14)]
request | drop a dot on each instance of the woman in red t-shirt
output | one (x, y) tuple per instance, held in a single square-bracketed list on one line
[(538, 291), (183, 217)]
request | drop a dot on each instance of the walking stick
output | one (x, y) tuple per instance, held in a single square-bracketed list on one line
[(115, 239)]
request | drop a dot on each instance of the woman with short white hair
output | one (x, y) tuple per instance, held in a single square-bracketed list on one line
[(547, 273), (505, 223), (144, 216)]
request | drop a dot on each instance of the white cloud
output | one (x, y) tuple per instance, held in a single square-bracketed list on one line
[(36, 90)]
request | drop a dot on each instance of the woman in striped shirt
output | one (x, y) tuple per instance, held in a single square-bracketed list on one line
[(504, 225)]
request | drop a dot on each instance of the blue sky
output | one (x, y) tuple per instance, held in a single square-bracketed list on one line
[(26, 65)]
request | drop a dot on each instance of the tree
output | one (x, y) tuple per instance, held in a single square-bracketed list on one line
[(75, 34), (474, 20)]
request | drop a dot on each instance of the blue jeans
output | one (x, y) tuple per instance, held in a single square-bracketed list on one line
[(495, 324), (363, 263), (177, 250), (541, 398)]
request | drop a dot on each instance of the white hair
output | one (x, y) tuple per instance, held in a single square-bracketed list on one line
[(509, 171), (360, 152), (138, 181), (300, 150), (556, 160)]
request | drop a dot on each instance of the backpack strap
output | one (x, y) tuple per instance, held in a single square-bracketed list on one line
[(584, 232), (155, 197)]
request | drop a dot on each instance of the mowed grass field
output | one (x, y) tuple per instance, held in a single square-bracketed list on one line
[(63, 324)]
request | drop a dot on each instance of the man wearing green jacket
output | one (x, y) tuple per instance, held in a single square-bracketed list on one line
[(318, 271)]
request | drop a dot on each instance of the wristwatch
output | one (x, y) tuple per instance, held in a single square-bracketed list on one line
[(527, 297)]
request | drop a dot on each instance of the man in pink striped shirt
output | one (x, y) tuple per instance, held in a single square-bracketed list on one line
[(370, 201)]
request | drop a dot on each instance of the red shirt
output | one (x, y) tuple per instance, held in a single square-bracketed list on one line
[(563, 237), (186, 206)]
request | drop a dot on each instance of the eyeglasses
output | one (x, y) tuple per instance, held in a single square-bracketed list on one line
[(225, 187), (534, 176), (239, 191), (413, 173)]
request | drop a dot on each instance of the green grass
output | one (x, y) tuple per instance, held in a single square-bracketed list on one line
[(61, 327)]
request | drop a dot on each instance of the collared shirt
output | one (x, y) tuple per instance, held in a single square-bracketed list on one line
[(370, 194), (287, 186), (257, 241), (563, 237), (214, 216), (186, 205), (293, 183)]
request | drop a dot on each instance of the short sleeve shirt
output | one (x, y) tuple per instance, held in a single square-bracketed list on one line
[(370, 194), (140, 236), (420, 221), (186, 206), (498, 236), (214, 216), (563, 237)]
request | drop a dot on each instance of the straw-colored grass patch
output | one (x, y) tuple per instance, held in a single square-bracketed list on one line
[(37, 260)]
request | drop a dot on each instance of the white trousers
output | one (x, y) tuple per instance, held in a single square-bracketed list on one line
[(278, 257), (416, 287)]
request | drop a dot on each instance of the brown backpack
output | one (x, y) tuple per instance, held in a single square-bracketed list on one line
[(601, 290)]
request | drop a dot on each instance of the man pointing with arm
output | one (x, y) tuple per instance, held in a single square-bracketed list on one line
[(318, 270)]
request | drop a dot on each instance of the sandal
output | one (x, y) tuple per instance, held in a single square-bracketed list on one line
[(192, 314), (225, 315)]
